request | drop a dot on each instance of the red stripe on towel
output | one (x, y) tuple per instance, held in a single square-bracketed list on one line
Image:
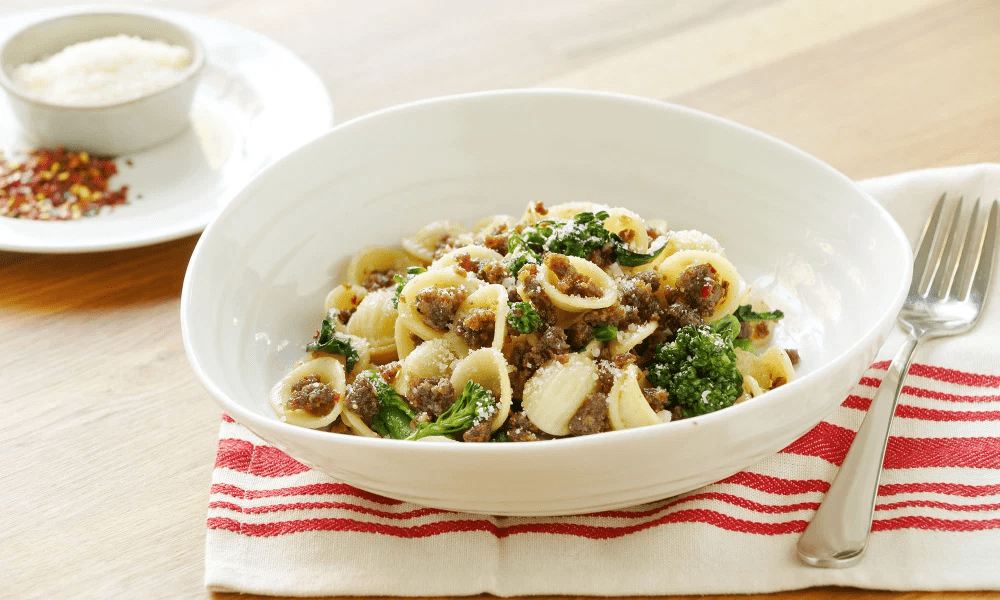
[(946, 375), (315, 489), (907, 411), (262, 461), (709, 517), (830, 443)]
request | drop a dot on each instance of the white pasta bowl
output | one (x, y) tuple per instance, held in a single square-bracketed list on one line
[(107, 129), (808, 239)]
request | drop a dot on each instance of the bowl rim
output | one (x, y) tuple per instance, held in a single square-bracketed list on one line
[(260, 424), (198, 59)]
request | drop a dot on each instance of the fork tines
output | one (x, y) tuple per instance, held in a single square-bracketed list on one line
[(935, 272)]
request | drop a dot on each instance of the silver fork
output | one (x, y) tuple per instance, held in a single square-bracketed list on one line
[(946, 297)]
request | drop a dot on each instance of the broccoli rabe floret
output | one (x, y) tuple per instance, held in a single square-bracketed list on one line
[(523, 317), (394, 414), (698, 368), (475, 404)]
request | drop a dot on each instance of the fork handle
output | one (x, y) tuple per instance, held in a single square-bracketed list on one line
[(837, 536)]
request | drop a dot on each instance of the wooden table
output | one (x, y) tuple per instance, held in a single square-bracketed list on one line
[(108, 441)]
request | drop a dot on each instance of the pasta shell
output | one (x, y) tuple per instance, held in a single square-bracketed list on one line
[(375, 320), (691, 239), (629, 226), (657, 225), (429, 239), (474, 252), (403, 335), (432, 359), (357, 425), (627, 406), (373, 259), (779, 367), (491, 226), (771, 369), (631, 337), (751, 387), (330, 372), (492, 297), (761, 332), (672, 267), (455, 344), (488, 368), (557, 390), (571, 303), (344, 297), (435, 278), (677, 241), (534, 213)]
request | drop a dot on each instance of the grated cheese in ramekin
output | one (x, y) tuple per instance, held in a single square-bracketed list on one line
[(103, 71)]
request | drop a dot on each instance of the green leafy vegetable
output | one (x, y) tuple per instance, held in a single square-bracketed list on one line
[(698, 368), (394, 414), (499, 436), (327, 342), (523, 317), (605, 333), (627, 258), (473, 404), (521, 253), (401, 281), (746, 313), (579, 237)]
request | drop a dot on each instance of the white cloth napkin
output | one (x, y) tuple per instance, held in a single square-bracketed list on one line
[(276, 527)]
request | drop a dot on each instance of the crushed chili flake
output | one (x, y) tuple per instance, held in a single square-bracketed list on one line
[(57, 185)]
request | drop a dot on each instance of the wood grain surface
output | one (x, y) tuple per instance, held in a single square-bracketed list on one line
[(107, 441)]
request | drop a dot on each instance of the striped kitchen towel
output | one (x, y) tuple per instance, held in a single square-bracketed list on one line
[(277, 527)]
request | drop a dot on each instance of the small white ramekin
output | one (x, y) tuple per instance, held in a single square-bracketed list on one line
[(112, 129)]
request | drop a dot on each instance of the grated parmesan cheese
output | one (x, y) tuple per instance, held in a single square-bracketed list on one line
[(104, 71)]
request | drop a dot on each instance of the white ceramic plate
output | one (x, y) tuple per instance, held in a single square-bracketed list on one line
[(256, 102), (805, 235)]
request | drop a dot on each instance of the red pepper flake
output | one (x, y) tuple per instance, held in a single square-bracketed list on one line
[(57, 185)]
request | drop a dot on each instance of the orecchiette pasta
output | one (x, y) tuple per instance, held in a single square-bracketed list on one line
[(425, 244), (429, 301), (375, 320), (576, 285), (310, 395), (627, 339), (472, 252), (371, 266), (732, 286), (627, 407), (557, 390), (488, 368), (344, 299), (576, 319), (629, 226), (432, 359)]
